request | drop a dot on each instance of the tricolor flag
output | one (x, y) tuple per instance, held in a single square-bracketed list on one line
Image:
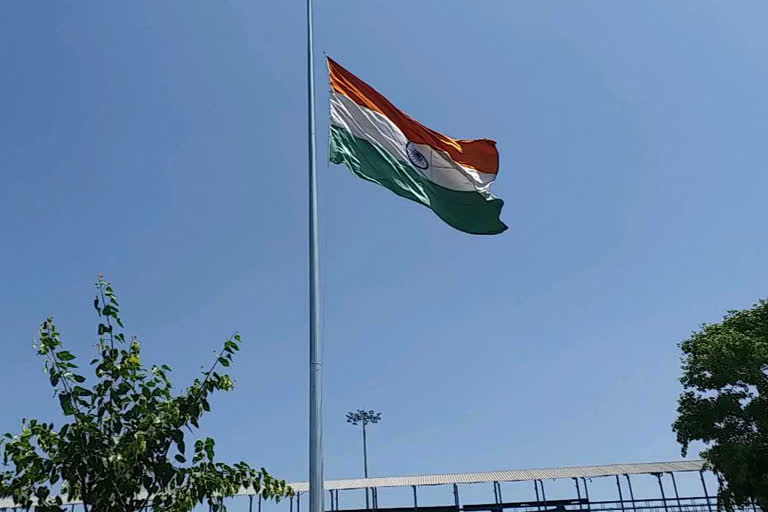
[(380, 143)]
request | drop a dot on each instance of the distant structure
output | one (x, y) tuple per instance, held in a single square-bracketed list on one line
[(620, 475), (363, 417), (623, 501)]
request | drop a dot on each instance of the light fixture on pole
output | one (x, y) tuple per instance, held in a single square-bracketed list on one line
[(362, 417)]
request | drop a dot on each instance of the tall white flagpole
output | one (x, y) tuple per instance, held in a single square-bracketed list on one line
[(316, 490)]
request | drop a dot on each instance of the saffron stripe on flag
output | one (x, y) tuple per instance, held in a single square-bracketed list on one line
[(480, 154)]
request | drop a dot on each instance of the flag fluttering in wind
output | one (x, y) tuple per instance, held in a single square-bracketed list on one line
[(380, 143)]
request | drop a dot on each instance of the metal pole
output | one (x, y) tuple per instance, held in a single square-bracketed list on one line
[(456, 495), (621, 497), (543, 495), (663, 497), (501, 499), (365, 463), (316, 491), (250, 503), (415, 500), (298, 502), (578, 491), (365, 452), (631, 493), (586, 493), (677, 496), (536, 486), (259, 502), (706, 494)]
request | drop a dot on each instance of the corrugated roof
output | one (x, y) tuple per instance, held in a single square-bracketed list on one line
[(510, 475)]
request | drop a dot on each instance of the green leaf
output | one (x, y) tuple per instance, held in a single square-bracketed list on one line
[(237, 337), (81, 391), (223, 362), (180, 458), (78, 378), (66, 404), (65, 355)]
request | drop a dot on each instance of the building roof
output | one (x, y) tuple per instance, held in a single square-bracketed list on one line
[(510, 475)]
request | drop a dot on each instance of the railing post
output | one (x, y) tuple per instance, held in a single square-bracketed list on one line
[(631, 493), (586, 494), (621, 496), (578, 491), (677, 496), (456, 495), (663, 496), (706, 494)]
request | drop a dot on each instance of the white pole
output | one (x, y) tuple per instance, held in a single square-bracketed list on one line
[(316, 491)]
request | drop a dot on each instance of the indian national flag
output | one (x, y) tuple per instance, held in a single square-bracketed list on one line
[(380, 143)]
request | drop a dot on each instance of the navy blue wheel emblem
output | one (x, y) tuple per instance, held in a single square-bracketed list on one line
[(416, 157)]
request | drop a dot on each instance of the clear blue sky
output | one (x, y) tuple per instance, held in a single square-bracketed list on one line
[(163, 144)]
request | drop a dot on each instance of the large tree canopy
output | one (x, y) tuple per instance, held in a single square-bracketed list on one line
[(724, 404)]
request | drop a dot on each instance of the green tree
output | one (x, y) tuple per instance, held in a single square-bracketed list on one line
[(724, 404), (123, 445)]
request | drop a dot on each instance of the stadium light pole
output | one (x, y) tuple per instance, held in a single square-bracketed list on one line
[(362, 417)]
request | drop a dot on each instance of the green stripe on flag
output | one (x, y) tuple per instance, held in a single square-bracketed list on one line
[(466, 211)]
